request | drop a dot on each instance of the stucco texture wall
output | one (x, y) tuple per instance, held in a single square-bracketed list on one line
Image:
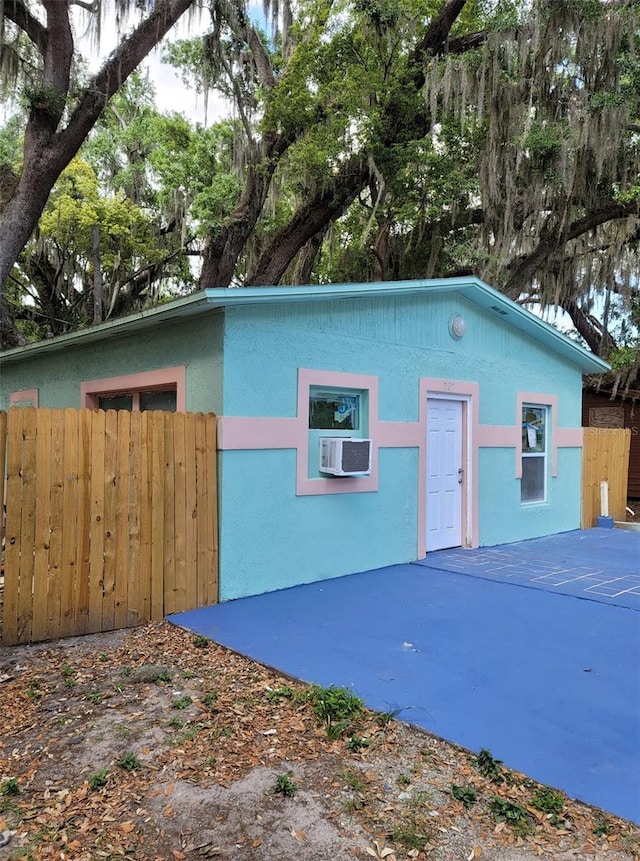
[(271, 539), (194, 342)]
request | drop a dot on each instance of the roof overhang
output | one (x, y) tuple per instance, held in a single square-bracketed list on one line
[(490, 300)]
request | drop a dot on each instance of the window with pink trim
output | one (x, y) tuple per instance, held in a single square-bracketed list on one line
[(25, 398), (163, 389), (334, 412), (533, 485), (334, 404)]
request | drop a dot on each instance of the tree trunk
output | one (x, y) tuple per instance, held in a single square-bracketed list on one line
[(223, 250), (97, 277), (20, 216), (522, 271), (307, 258), (46, 151), (308, 221)]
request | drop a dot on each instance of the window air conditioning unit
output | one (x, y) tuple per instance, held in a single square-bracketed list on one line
[(344, 456)]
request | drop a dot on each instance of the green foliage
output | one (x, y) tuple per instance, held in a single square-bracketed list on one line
[(201, 642), (548, 800), (385, 718), (209, 699), (383, 14), (543, 141), (129, 762), (182, 703), (34, 692), (489, 766), (466, 794), (68, 674), (623, 357), (42, 98), (471, 155), (285, 785), (585, 10), (411, 834), (98, 779), (606, 99), (356, 743), (76, 206), (10, 786), (353, 779), (274, 695), (335, 707), (11, 135), (510, 812)]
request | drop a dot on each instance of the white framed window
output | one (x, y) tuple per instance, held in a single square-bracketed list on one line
[(533, 485), (334, 412), (24, 398), (348, 403)]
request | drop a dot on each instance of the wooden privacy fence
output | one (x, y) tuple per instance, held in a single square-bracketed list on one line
[(605, 457), (111, 519)]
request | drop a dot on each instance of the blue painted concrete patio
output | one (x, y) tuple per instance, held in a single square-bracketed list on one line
[(508, 658)]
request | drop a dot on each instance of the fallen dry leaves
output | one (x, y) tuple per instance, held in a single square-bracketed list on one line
[(204, 715)]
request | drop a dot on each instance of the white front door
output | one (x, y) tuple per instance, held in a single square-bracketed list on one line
[(444, 473)]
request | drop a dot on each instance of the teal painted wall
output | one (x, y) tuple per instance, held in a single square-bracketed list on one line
[(270, 539), (399, 340), (504, 519), (195, 342)]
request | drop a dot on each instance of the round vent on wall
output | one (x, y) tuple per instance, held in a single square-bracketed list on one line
[(457, 326)]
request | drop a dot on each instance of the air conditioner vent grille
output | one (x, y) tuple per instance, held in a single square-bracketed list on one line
[(355, 457), (344, 456)]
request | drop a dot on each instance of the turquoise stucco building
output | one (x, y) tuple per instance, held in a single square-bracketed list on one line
[(470, 404)]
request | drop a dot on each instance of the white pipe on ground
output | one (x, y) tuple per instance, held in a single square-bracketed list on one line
[(604, 498)]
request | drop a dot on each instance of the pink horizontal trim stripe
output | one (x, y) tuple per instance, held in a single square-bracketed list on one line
[(497, 436), (398, 434), (569, 437), (241, 433), (26, 396)]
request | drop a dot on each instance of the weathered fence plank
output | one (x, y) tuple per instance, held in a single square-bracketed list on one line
[(156, 421), (121, 493), (605, 457), (42, 536)]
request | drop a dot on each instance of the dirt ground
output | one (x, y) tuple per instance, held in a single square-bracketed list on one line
[(153, 744), (633, 511)]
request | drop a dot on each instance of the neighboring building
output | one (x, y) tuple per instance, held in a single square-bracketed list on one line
[(601, 409), (472, 405)]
